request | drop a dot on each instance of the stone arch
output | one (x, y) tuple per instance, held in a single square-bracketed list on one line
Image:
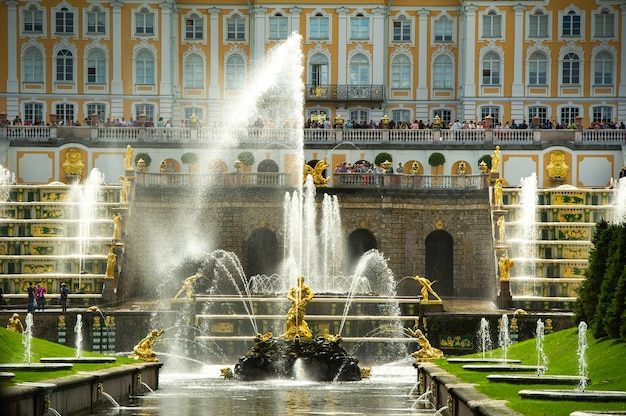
[(262, 252), (440, 261), (360, 241)]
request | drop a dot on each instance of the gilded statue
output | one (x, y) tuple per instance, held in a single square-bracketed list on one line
[(111, 260), (128, 158), (15, 324), (187, 286), (227, 373), (557, 168), (143, 350), (501, 230), (426, 351), (117, 227), (73, 164), (495, 160), (317, 172), (497, 193), (427, 289), (299, 295), (263, 337), (125, 191), (505, 264)]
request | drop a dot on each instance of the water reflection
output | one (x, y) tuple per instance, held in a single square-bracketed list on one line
[(206, 393)]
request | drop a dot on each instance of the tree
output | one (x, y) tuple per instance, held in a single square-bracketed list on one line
[(189, 158), (382, 158), (435, 160), (487, 160), (247, 158)]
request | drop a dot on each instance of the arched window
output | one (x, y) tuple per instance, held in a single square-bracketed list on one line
[(603, 69), (318, 69), (235, 72), (194, 72), (32, 65), (144, 68), (491, 69), (359, 71), (401, 72), (571, 69), (96, 67), (538, 69), (65, 66), (442, 72)]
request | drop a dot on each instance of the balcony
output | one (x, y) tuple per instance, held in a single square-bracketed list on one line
[(344, 94)]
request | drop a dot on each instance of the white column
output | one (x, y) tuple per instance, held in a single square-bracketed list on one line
[(379, 47), (12, 36), (295, 19), (117, 86), (518, 57), (422, 54), (166, 49), (469, 87), (258, 47), (622, 56), (214, 57), (342, 40)]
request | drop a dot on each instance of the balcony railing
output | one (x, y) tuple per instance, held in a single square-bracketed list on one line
[(281, 137), (258, 179), (344, 92)]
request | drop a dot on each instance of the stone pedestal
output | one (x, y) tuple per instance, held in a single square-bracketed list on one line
[(108, 293), (505, 300)]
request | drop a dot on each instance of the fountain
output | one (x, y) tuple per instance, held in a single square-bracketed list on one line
[(619, 201), (483, 337)]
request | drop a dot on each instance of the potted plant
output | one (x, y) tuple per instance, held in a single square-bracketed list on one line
[(190, 159), (382, 158), (145, 165), (435, 160), (487, 160)]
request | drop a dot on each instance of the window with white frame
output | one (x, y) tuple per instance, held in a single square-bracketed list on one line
[(235, 28), (360, 116), (602, 114), (147, 109), (444, 114), (538, 111), (538, 25), (97, 108), (401, 72), (569, 114), (32, 65), (235, 72), (359, 27), (194, 71), (65, 111), (64, 21), (571, 24), (538, 69), (401, 115), (603, 69), (491, 69), (444, 30), (96, 21), (492, 25), (604, 24), (144, 68), (318, 65), (194, 27), (279, 26), (442, 72), (401, 29), (198, 111), (33, 20), (96, 67), (570, 74), (318, 27), (490, 110), (144, 22), (33, 112), (64, 66), (359, 70)]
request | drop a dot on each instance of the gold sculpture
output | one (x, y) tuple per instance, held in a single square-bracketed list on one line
[(427, 351), (557, 168), (501, 230), (505, 264), (227, 373), (125, 191), (128, 158), (495, 160), (426, 289), (117, 227), (111, 260), (415, 168), (299, 295), (188, 286), (497, 193), (333, 338), (366, 372), (73, 164), (15, 324), (143, 350), (317, 172), (263, 337)]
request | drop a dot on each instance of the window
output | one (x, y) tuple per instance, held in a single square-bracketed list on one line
[(144, 22), (33, 112), (443, 30), (146, 109), (602, 114), (444, 115), (359, 70), (194, 27), (571, 24), (359, 27), (492, 25), (97, 108), (442, 72), (360, 116), (401, 72), (492, 111), (538, 111), (319, 69), (318, 26), (538, 69), (33, 65), (236, 28), (569, 114), (235, 72), (65, 66), (198, 111), (144, 68), (65, 111), (96, 67), (538, 25), (96, 22), (603, 69), (571, 69), (278, 27), (33, 20), (64, 21), (194, 72), (402, 30), (402, 115), (491, 69), (604, 24)]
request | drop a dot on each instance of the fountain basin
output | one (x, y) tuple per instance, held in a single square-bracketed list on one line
[(35, 366), (535, 379), (6, 376), (503, 367), (460, 360), (575, 395), (78, 360)]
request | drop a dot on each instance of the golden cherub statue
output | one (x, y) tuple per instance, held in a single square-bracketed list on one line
[(143, 350), (426, 289), (299, 295)]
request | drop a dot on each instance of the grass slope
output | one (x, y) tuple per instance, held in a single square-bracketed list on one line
[(12, 351), (605, 358)]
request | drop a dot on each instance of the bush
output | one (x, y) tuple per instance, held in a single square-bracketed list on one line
[(247, 158), (382, 158), (146, 158), (189, 157), (487, 160)]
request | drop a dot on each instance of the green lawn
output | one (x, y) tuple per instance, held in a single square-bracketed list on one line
[(606, 365)]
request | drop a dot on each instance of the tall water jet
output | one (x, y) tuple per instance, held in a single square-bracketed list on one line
[(619, 201), (582, 360), (27, 337), (504, 337), (78, 331), (6, 180), (542, 358), (484, 337), (528, 222)]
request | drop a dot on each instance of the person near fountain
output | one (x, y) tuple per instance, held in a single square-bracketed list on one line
[(495, 160), (15, 324), (63, 292), (31, 297), (299, 295), (40, 296)]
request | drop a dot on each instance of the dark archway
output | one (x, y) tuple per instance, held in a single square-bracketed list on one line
[(359, 241), (267, 165), (440, 261), (262, 253)]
